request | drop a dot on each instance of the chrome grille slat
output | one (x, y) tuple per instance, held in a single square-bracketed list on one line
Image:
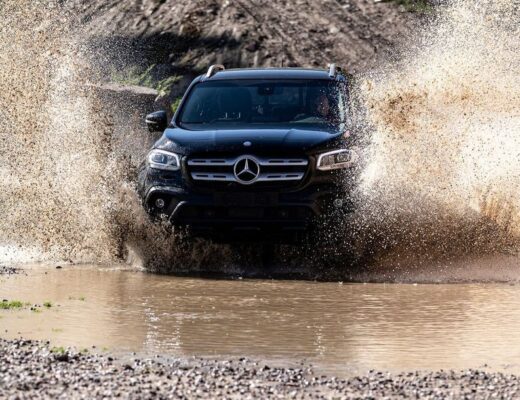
[(211, 162), (203, 176), (283, 162), (280, 177), (265, 162)]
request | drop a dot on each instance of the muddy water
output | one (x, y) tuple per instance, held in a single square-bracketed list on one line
[(339, 328)]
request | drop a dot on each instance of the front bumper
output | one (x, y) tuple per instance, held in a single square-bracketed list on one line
[(241, 211)]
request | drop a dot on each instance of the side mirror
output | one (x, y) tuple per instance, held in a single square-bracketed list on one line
[(157, 121)]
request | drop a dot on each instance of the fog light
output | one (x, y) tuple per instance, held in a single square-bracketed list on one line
[(159, 203)]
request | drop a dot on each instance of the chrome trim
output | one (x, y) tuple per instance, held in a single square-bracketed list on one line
[(211, 176), (273, 177), (229, 174), (284, 162), (332, 70), (251, 167), (211, 162), (262, 161), (214, 69), (263, 177)]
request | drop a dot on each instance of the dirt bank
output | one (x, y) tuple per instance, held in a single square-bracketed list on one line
[(190, 35)]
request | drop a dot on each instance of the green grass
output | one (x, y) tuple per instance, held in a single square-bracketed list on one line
[(139, 77), (10, 305), (176, 104), (80, 298), (18, 305), (58, 350), (163, 87), (413, 5)]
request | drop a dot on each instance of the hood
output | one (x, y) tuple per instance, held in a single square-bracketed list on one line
[(272, 140)]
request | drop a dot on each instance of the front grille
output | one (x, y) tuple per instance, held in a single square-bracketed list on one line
[(270, 169)]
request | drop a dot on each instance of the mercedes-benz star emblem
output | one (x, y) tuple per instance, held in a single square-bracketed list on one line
[(246, 170)]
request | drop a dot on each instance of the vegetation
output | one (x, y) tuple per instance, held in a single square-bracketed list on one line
[(176, 104), (58, 350), (139, 77), (9, 305), (80, 298), (18, 305), (413, 5), (136, 76)]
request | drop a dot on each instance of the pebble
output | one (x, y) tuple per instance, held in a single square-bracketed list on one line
[(29, 369)]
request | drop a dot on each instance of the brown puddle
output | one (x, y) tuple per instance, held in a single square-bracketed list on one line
[(339, 328)]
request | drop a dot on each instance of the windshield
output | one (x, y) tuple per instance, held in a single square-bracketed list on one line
[(242, 104)]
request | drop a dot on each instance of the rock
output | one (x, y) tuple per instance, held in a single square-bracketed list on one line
[(33, 372)]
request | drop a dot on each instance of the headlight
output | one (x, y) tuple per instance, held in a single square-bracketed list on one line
[(336, 159), (160, 159)]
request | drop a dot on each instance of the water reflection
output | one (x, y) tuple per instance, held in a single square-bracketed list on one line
[(337, 327)]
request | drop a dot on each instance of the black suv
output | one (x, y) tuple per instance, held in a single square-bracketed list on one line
[(252, 152)]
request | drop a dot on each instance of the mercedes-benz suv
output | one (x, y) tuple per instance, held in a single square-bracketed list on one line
[(252, 153)]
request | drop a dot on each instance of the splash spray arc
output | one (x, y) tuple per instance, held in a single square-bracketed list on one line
[(444, 174), (442, 171)]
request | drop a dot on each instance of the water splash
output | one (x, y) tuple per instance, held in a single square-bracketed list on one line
[(66, 188), (443, 177)]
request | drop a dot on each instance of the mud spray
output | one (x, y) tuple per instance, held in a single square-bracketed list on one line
[(66, 189), (443, 178), (442, 123)]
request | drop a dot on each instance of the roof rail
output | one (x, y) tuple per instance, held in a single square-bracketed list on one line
[(214, 69), (334, 70)]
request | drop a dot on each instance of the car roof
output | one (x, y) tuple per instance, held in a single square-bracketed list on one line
[(271, 73)]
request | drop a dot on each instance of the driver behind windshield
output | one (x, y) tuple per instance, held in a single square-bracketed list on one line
[(319, 108), (285, 104)]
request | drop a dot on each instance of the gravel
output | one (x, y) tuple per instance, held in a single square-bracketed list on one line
[(32, 369)]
